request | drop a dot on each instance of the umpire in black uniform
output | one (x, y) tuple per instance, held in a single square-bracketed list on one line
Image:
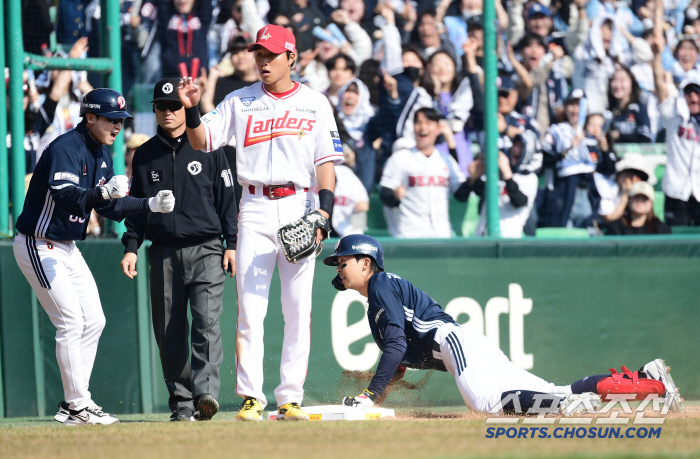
[(187, 256)]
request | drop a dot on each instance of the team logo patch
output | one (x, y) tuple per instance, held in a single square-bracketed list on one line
[(167, 88), (66, 176), (378, 315), (337, 146), (265, 35), (307, 203), (194, 168), (289, 46), (335, 134), (209, 116), (155, 176), (247, 101), (121, 102)]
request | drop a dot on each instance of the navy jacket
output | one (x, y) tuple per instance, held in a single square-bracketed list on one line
[(63, 190)]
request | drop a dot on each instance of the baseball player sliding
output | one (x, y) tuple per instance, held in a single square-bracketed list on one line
[(287, 143), (413, 331), (74, 176)]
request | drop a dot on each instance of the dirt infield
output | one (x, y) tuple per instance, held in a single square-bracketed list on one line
[(414, 433)]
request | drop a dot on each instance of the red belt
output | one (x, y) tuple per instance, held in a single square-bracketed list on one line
[(276, 191)]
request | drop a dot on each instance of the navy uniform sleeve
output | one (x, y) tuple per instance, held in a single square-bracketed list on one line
[(385, 295), (394, 350), (118, 209), (225, 199), (134, 235), (64, 180), (390, 323)]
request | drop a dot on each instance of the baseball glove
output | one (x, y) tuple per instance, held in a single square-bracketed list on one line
[(298, 238)]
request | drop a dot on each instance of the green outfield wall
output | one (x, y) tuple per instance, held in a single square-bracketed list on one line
[(561, 309)]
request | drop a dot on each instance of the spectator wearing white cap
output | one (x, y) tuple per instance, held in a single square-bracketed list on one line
[(639, 217), (681, 117), (632, 168)]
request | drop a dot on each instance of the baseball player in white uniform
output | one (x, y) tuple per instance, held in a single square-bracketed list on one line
[(73, 177), (419, 181), (350, 198), (287, 143)]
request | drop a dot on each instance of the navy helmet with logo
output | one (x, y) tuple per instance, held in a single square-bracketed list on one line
[(357, 244), (104, 102)]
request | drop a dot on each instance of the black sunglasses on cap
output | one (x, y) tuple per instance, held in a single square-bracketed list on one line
[(172, 106)]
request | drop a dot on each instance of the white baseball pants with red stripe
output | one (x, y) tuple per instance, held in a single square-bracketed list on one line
[(67, 291), (257, 252)]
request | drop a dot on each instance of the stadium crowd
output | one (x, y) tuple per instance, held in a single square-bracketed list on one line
[(405, 80)]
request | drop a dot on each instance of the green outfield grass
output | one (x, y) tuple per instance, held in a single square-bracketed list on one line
[(434, 433)]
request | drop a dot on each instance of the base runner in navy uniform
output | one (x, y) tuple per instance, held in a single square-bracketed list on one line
[(74, 176), (413, 331)]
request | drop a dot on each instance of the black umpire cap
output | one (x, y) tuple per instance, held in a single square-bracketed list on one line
[(166, 89)]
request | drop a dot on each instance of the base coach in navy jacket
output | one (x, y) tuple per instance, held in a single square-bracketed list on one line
[(187, 256)]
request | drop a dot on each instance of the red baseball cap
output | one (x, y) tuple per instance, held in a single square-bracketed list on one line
[(274, 38)]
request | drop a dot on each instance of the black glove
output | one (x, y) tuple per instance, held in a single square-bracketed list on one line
[(298, 239)]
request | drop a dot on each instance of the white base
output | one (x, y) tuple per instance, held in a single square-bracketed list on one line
[(340, 413)]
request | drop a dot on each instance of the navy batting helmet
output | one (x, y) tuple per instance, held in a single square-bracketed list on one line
[(357, 244), (104, 102)]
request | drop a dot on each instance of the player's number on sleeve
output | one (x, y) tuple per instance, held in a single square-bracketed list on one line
[(228, 177)]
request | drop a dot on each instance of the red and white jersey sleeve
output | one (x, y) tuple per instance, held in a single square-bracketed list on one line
[(279, 138), (219, 125)]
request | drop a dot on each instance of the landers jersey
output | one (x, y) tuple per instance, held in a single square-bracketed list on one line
[(279, 138), (395, 301), (429, 180)]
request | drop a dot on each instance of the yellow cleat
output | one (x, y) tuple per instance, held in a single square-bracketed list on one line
[(250, 411), (291, 412)]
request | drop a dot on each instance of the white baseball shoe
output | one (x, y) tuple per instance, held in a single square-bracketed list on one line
[(63, 412), (658, 370), (92, 415), (578, 404)]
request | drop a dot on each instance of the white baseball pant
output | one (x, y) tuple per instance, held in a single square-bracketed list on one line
[(67, 291), (482, 371), (257, 251)]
